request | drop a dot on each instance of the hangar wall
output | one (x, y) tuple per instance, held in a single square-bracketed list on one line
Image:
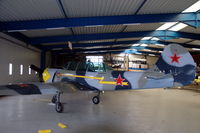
[(151, 60), (11, 52)]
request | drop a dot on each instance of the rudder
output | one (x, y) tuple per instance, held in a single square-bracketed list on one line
[(175, 59)]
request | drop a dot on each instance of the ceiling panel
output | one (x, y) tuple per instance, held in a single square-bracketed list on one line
[(143, 27), (179, 40), (128, 39), (88, 8), (98, 29), (96, 41), (191, 30), (42, 33), (165, 6), (196, 42), (16, 10)]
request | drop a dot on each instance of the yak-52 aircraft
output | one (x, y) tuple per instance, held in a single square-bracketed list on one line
[(175, 67)]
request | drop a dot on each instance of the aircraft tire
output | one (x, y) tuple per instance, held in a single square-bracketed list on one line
[(59, 107), (53, 100), (95, 100)]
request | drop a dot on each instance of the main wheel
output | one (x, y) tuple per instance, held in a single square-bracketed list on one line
[(95, 100), (53, 100), (59, 107)]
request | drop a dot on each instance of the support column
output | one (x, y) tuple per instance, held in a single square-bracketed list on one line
[(43, 59)]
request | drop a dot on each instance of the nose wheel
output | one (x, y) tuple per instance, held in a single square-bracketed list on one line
[(58, 104), (96, 99)]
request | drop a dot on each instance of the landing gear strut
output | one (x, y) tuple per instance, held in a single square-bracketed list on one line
[(96, 99), (53, 100), (56, 100)]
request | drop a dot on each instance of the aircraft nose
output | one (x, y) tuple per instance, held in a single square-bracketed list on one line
[(46, 75)]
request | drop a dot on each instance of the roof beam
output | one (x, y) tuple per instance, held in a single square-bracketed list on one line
[(150, 42), (164, 35), (118, 48), (101, 20), (104, 51)]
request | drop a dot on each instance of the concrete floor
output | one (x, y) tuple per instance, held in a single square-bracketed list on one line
[(140, 111)]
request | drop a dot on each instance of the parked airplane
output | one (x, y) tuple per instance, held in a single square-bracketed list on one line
[(175, 67)]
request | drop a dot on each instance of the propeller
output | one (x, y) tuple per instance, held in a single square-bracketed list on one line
[(39, 70)]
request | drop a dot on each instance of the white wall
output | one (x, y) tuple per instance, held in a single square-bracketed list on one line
[(17, 55), (151, 60)]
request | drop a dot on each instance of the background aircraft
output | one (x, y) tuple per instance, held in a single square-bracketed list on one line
[(175, 67)]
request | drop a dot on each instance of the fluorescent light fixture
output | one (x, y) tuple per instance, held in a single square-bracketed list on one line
[(193, 8), (196, 49), (152, 55), (93, 25), (29, 70), (178, 27), (57, 28), (160, 51), (10, 68), (146, 38), (16, 30), (138, 53), (155, 38), (135, 44), (160, 45), (143, 45), (21, 69), (132, 24), (166, 26)]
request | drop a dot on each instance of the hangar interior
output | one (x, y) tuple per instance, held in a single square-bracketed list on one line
[(128, 35)]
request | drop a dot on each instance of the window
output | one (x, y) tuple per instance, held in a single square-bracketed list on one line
[(21, 69), (96, 59), (72, 66), (29, 70), (82, 66), (10, 69)]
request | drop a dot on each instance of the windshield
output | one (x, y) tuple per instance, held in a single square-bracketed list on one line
[(87, 66)]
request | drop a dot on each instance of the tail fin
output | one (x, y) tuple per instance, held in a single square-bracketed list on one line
[(176, 60)]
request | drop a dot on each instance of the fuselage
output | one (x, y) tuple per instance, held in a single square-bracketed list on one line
[(115, 80)]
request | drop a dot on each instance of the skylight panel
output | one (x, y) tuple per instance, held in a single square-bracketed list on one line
[(166, 26), (178, 27), (194, 8)]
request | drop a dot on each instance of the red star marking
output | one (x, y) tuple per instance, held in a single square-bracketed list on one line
[(175, 58), (119, 80)]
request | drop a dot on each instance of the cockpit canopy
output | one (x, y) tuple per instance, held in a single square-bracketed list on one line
[(87, 66)]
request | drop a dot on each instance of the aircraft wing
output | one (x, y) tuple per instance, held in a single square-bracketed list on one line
[(40, 88)]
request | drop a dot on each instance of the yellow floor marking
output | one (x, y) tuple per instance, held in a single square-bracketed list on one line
[(61, 125), (45, 131)]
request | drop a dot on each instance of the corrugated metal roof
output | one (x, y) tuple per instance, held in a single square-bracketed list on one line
[(142, 27), (98, 29), (96, 41), (196, 42), (86, 8), (42, 33), (165, 6), (179, 40), (15, 10), (191, 30), (129, 39), (94, 47)]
